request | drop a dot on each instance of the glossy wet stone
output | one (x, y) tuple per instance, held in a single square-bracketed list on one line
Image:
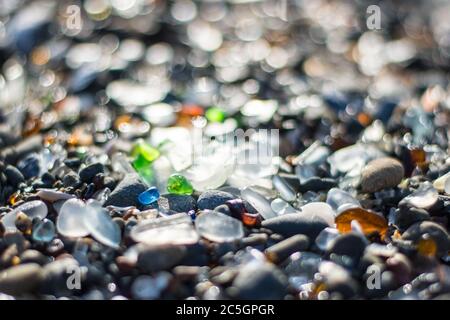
[(293, 223), (405, 216), (320, 210), (424, 197), (434, 231), (178, 184), (218, 227), (87, 173), (380, 174), (350, 244)]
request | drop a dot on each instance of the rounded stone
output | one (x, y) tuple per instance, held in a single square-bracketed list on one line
[(127, 191), (380, 174), (350, 244), (436, 232), (89, 172), (291, 224), (213, 198), (260, 282), (20, 279), (177, 203)]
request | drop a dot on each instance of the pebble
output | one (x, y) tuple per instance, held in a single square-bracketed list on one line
[(380, 174), (33, 256), (436, 232), (424, 197), (89, 172), (350, 244), (21, 279), (260, 282), (15, 177), (283, 249), (213, 198), (157, 258), (177, 203), (406, 216), (318, 209), (126, 192), (293, 223)]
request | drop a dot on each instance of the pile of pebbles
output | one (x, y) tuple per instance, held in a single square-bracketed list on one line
[(102, 196)]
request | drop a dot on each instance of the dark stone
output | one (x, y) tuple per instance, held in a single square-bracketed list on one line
[(262, 282), (34, 256), (71, 179), (127, 191), (317, 184), (89, 172), (349, 244), (157, 258), (435, 231), (177, 203), (21, 279), (14, 176), (213, 198), (293, 223), (406, 216)]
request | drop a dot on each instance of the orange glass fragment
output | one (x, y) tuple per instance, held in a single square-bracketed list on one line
[(250, 220), (427, 247), (14, 198), (370, 221), (364, 119), (80, 137)]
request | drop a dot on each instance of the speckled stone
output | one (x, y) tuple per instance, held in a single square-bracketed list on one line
[(380, 174)]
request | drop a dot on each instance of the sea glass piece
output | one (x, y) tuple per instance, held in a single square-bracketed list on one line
[(369, 221), (101, 226), (149, 196), (215, 114), (176, 229), (260, 203), (319, 209), (341, 200), (326, 237), (71, 222), (282, 207), (44, 231), (424, 197), (443, 183), (178, 184), (285, 190), (32, 209), (218, 227)]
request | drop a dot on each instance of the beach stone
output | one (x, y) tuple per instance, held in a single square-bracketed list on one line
[(349, 244), (436, 232), (213, 198), (14, 176), (291, 224), (21, 279), (33, 256), (71, 179), (406, 216), (380, 174), (177, 203), (126, 192), (89, 172), (260, 282), (157, 258)]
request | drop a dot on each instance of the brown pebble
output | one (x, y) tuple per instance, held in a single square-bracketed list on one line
[(381, 173)]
